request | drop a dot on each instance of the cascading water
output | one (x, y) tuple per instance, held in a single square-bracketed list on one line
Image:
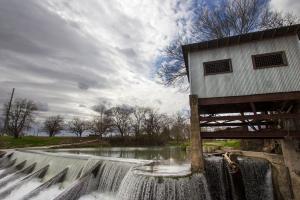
[(40, 176), (257, 178), (109, 176), (105, 178), (135, 187), (19, 192), (215, 172), (253, 180)]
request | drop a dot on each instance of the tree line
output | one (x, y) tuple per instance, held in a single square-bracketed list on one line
[(120, 122)]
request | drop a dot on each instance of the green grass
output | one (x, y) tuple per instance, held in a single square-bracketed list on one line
[(235, 144), (33, 141)]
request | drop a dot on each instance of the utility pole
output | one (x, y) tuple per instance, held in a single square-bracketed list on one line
[(8, 111)]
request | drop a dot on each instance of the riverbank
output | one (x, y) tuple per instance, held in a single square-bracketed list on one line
[(7, 142)]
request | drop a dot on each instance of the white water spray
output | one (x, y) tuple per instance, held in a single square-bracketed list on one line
[(19, 193)]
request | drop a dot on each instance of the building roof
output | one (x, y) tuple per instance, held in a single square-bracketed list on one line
[(239, 39)]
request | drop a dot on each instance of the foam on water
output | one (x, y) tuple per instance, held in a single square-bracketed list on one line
[(163, 170), (11, 183), (97, 195), (7, 177), (48, 194), (18, 193)]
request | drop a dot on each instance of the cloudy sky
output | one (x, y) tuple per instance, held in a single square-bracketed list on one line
[(68, 55)]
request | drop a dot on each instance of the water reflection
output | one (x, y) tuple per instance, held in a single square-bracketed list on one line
[(169, 155)]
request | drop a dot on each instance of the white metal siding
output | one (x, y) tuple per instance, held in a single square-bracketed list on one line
[(244, 80)]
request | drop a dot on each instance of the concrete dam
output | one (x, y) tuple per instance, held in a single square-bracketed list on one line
[(39, 175)]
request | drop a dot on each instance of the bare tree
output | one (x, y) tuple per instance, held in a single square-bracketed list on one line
[(231, 17), (138, 119), (20, 116), (277, 19), (101, 123), (78, 126), (53, 125), (154, 122), (1, 125), (172, 68), (120, 118), (180, 129), (100, 109)]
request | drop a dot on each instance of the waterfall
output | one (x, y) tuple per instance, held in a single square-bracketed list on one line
[(19, 192), (110, 175), (257, 178), (215, 172), (8, 179), (48, 194), (253, 180), (45, 176), (75, 164), (24, 181), (56, 179), (12, 170), (6, 161), (135, 187), (105, 177)]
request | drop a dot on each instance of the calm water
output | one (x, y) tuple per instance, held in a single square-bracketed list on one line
[(169, 155)]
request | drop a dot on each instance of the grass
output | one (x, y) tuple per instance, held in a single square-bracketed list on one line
[(7, 142), (235, 144), (213, 144), (33, 141)]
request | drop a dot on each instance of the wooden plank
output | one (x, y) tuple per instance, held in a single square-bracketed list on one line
[(251, 117), (255, 113), (270, 134), (235, 124), (242, 107), (271, 97)]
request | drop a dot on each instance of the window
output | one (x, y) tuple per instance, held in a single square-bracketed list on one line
[(275, 59), (217, 67)]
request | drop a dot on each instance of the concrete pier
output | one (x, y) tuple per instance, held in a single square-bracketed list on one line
[(291, 154), (197, 164)]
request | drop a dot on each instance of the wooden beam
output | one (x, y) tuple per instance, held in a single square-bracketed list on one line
[(271, 97), (255, 113), (251, 117), (269, 134), (235, 124)]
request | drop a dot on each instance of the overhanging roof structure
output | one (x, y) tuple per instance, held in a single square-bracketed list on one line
[(239, 39)]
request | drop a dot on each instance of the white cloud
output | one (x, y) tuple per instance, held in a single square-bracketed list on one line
[(71, 53), (292, 6)]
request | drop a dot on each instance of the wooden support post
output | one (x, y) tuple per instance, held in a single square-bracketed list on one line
[(197, 164)]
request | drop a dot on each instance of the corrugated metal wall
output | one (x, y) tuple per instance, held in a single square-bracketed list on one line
[(244, 80)]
